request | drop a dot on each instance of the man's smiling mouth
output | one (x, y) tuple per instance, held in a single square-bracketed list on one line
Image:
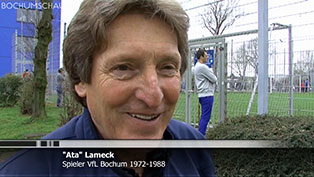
[(144, 117)]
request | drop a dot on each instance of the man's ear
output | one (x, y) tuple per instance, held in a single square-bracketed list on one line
[(80, 89)]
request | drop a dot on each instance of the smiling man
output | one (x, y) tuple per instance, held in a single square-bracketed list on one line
[(135, 80), (125, 59)]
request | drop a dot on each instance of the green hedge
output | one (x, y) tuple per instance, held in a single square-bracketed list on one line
[(295, 132), (264, 162), (10, 90), (26, 100)]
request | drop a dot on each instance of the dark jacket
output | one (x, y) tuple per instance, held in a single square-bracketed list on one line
[(51, 162)]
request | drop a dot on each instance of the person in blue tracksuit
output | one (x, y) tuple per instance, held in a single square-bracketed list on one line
[(205, 81), (124, 60), (307, 85)]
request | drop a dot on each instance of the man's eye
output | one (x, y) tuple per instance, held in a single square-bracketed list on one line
[(122, 67), (168, 70), (169, 67), (123, 71)]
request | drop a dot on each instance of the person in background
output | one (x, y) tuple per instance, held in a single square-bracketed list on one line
[(205, 81), (26, 74), (302, 87), (306, 85), (125, 61), (60, 86)]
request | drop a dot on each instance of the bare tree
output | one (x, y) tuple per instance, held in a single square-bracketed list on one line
[(218, 17), (44, 36), (303, 67), (241, 63), (252, 57), (252, 54), (246, 56)]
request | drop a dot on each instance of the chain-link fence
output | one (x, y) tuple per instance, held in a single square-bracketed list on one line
[(241, 80)]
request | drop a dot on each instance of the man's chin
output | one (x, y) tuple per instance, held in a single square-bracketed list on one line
[(152, 136)]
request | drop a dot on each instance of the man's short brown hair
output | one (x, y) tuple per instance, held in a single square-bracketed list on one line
[(200, 53)]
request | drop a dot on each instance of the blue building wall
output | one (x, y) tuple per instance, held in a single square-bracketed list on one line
[(8, 28)]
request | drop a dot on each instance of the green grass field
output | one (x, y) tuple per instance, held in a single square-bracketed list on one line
[(16, 126), (237, 105)]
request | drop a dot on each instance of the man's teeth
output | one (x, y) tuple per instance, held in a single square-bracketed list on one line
[(145, 117)]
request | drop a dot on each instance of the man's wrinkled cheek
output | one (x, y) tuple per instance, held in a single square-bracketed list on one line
[(173, 90), (116, 93)]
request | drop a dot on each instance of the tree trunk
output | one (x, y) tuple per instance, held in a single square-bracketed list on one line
[(44, 36)]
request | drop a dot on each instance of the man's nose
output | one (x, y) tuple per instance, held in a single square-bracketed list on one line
[(149, 90)]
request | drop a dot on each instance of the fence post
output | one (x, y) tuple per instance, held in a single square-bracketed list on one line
[(221, 81), (290, 71), (262, 57), (188, 90)]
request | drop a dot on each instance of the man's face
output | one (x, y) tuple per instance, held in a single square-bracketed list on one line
[(135, 82), (205, 57)]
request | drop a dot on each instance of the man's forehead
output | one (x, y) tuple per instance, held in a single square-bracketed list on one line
[(127, 50), (135, 25)]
